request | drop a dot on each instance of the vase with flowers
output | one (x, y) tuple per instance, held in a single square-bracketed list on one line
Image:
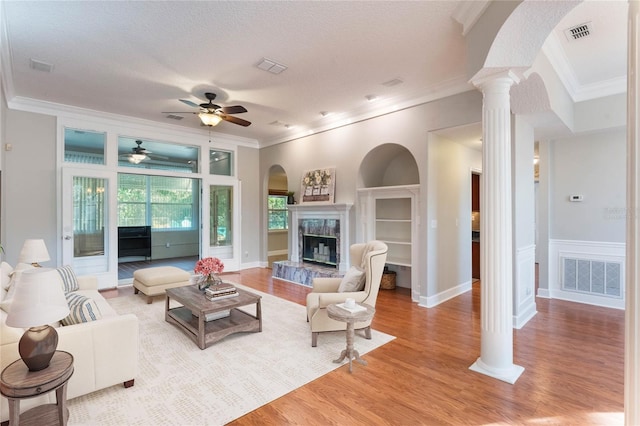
[(207, 270)]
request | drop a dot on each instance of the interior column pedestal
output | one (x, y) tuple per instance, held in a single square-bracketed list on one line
[(496, 254)]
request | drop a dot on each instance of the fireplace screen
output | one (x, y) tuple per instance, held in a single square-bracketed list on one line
[(319, 249)]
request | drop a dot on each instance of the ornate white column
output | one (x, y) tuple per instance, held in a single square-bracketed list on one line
[(632, 312), (496, 254)]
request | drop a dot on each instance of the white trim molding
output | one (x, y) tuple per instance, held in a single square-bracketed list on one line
[(524, 286), (435, 300), (587, 250)]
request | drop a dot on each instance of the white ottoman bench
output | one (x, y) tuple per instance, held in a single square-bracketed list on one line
[(154, 281)]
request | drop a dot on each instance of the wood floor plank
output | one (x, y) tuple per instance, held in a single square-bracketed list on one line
[(573, 355)]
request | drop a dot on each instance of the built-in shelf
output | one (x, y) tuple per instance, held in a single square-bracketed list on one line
[(389, 214)]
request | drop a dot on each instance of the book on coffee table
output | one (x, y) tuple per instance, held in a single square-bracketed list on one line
[(221, 296)]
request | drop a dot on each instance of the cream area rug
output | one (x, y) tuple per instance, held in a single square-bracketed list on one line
[(179, 384)]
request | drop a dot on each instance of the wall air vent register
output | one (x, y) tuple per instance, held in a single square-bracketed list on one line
[(596, 277)]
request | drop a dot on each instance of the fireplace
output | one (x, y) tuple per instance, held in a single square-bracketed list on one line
[(322, 247), (323, 236)]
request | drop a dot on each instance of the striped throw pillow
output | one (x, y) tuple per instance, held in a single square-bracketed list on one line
[(69, 280), (81, 309)]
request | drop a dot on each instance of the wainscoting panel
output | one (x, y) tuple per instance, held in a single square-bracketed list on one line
[(587, 272), (524, 288)]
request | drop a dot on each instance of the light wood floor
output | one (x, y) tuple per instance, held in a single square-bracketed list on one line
[(573, 356)]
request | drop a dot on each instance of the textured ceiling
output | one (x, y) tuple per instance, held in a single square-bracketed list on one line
[(139, 58)]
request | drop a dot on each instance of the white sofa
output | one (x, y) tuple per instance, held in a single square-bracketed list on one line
[(105, 351)]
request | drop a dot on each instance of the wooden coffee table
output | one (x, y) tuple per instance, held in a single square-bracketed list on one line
[(205, 333)]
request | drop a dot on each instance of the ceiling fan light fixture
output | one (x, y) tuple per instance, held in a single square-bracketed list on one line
[(137, 158), (209, 119)]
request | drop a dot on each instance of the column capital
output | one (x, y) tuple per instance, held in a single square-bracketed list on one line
[(489, 75)]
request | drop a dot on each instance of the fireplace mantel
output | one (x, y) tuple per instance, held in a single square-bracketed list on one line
[(298, 212)]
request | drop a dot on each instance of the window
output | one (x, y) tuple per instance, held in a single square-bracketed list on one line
[(160, 201), (83, 146), (146, 154), (220, 162), (221, 220), (88, 216), (278, 213)]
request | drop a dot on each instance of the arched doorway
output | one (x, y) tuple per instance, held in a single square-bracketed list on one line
[(278, 196)]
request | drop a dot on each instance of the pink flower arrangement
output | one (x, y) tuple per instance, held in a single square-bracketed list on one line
[(209, 266)]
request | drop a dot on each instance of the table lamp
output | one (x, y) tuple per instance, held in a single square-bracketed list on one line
[(38, 301), (34, 251)]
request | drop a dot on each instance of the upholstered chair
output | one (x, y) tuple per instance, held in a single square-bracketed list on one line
[(369, 257)]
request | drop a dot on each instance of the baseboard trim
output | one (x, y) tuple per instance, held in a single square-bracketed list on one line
[(521, 320), (431, 301)]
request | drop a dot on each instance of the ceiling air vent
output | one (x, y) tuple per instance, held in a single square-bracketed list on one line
[(174, 117), (393, 82), (579, 31)]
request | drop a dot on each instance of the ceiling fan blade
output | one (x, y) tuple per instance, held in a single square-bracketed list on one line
[(233, 109), (235, 120), (188, 102), (157, 157)]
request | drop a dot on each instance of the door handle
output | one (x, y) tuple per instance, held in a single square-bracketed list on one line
[(67, 237)]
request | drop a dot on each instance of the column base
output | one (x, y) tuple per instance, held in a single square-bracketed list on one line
[(509, 375)]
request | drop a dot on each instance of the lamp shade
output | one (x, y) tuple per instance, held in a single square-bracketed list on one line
[(209, 119), (38, 299), (33, 251)]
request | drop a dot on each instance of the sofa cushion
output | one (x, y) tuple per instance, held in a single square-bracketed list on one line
[(81, 309), (15, 277), (68, 277), (5, 275), (353, 280)]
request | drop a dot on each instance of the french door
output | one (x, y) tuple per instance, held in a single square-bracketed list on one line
[(221, 205), (89, 223)]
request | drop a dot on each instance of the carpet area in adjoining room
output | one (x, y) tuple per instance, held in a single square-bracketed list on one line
[(179, 384)]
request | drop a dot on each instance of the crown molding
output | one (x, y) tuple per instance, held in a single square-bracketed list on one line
[(554, 52), (67, 111), (447, 88), (467, 13)]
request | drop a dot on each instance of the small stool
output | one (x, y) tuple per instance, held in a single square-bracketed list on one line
[(154, 281)]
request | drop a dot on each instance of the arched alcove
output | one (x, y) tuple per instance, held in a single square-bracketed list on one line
[(278, 181), (388, 165), (388, 200), (277, 233)]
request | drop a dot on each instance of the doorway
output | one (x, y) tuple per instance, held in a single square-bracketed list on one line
[(475, 226), (278, 215)]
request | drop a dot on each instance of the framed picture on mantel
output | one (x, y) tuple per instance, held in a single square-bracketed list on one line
[(318, 186)]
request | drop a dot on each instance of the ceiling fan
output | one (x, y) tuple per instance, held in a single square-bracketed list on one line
[(211, 114), (138, 154)]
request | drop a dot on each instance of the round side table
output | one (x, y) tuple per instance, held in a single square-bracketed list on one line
[(335, 312), (17, 382)]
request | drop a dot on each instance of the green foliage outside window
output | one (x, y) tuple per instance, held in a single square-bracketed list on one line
[(160, 201), (278, 214)]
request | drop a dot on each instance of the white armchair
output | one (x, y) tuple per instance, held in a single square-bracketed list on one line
[(371, 257)]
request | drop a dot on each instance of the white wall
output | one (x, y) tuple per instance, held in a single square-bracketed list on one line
[(523, 199), (346, 147), (252, 237), (29, 183), (594, 166), (448, 220)]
